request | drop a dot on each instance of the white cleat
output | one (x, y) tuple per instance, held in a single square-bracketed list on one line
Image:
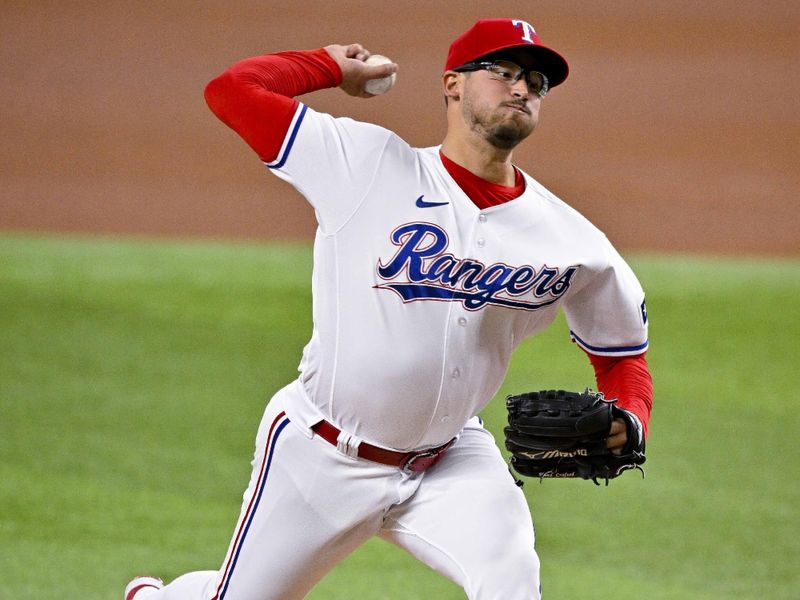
[(142, 584)]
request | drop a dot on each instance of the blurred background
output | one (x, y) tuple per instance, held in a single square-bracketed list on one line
[(677, 129), (155, 284)]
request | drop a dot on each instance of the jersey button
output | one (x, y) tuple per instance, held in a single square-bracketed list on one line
[(462, 321), (482, 218), (481, 242), (456, 373)]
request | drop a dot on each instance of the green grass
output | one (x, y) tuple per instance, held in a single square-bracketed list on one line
[(133, 375)]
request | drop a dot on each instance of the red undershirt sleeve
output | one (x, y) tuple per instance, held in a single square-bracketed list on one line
[(626, 378), (255, 96)]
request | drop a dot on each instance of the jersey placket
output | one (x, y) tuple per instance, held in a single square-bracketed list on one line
[(458, 389)]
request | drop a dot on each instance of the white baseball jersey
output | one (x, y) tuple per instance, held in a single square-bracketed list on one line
[(420, 297)]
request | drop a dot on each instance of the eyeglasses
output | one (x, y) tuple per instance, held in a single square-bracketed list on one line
[(510, 73)]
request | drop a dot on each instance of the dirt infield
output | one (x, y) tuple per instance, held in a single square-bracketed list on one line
[(677, 129)]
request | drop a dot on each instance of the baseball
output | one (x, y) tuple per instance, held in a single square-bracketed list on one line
[(383, 85)]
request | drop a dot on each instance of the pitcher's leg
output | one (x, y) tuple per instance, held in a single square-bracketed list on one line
[(306, 508), (469, 521)]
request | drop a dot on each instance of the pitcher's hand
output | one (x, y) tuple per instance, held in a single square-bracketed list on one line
[(355, 73)]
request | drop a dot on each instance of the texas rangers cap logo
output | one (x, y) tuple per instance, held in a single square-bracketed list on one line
[(528, 32)]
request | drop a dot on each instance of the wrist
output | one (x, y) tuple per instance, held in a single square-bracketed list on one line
[(330, 61), (635, 430)]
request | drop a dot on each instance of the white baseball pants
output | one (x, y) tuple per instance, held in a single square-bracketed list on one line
[(309, 505)]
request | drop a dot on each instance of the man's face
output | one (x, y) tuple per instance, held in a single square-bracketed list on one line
[(503, 114)]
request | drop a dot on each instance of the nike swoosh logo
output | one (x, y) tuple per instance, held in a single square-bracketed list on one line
[(425, 204)]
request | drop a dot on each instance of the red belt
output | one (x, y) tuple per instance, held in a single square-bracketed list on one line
[(408, 461)]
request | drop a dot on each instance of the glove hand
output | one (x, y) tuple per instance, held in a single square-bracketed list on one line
[(617, 436), (555, 433)]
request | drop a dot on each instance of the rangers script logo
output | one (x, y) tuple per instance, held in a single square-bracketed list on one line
[(430, 273)]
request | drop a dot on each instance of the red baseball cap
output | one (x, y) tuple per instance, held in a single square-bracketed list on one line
[(490, 36)]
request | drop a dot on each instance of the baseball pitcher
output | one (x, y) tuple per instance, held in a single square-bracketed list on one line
[(430, 266)]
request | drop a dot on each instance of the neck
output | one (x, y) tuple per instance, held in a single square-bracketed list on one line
[(480, 157)]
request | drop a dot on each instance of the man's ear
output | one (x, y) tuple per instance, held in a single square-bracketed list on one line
[(452, 83)]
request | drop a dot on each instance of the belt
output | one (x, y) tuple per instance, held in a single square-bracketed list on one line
[(413, 462)]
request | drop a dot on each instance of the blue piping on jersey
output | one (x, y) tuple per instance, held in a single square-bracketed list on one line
[(639, 348), (290, 143)]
